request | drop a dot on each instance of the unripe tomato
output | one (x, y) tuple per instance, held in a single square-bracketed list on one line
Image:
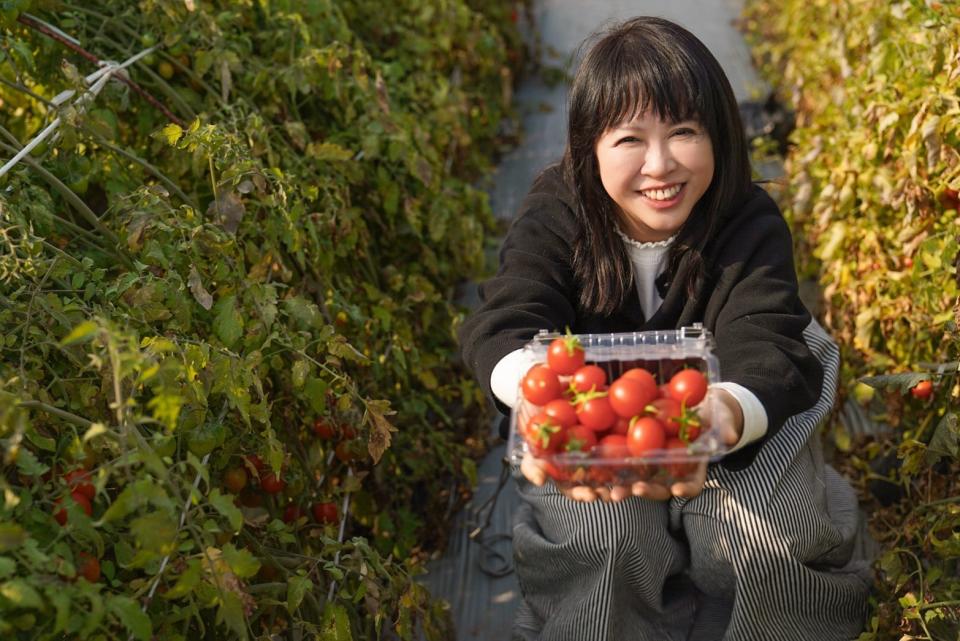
[(166, 70), (326, 512), (88, 567), (922, 390), (235, 479)]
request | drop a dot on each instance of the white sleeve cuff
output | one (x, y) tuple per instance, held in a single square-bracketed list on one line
[(754, 416), (506, 375)]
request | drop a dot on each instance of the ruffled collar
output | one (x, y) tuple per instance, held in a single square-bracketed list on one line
[(652, 245)]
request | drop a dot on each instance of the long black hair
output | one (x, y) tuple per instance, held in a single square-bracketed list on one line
[(646, 64)]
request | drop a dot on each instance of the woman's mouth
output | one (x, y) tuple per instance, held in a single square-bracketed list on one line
[(663, 198)]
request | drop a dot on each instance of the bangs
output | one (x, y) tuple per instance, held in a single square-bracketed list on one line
[(632, 76)]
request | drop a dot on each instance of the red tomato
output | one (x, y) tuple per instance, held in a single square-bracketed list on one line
[(326, 513), (645, 434), (79, 481), (565, 355), (589, 378), (555, 472), (679, 469), (257, 463), (622, 426), (545, 434), (596, 413), (613, 446), (235, 479), (580, 438), (347, 451), (922, 390), (81, 499), (272, 483), (630, 395), (291, 513), (641, 375), (688, 386), (562, 411), (88, 567), (323, 429), (541, 385), (669, 412)]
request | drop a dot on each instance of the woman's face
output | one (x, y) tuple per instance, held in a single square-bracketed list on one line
[(655, 171)]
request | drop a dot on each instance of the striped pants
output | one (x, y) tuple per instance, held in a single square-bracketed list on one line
[(762, 553)]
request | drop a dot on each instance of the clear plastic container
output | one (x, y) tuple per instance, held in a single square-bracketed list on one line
[(662, 354)]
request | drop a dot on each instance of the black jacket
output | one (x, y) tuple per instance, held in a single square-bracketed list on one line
[(749, 301)]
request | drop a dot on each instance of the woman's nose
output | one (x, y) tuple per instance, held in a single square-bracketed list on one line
[(659, 160)]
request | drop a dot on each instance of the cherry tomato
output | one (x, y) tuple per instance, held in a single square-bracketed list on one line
[(679, 469), (291, 513), (61, 515), (323, 429), (922, 390), (541, 385), (641, 375), (545, 434), (88, 567), (257, 463), (565, 355), (580, 438), (646, 434), (79, 481), (596, 413), (235, 479), (613, 446), (630, 395), (688, 386), (554, 471), (622, 426), (562, 411), (272, 483), (326, 513), (347, 451), (669, 412), (589, 378)]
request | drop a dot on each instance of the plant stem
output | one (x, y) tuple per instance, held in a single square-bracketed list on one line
[(50, 409)]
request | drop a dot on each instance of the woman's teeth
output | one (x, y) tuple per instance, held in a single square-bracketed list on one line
[(662, 194)]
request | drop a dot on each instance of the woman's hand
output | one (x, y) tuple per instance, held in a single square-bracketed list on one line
[(727, 419)]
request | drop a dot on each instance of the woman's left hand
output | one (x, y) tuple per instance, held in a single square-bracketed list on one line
[(727, 418)]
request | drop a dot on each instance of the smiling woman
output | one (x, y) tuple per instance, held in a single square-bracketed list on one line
[(655, 172), (651, 222)]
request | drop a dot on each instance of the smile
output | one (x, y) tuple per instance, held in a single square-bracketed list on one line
[(663, 194)]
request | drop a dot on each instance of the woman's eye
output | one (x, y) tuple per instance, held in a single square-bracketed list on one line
[(628, 139), (685, 131)]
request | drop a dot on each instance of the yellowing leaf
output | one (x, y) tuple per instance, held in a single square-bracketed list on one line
[(81, 332), (172, 133)]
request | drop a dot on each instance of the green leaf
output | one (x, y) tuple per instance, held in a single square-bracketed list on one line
[(12, 536), (336, 623), (316, 393), (7, 566), (297, 587), (186, 582), (228, 322), (224, 505), (28, 464), (945, 440), (131, 616), (83, 331), (231, 613), (900, 382), (241, 562), (21, 594)]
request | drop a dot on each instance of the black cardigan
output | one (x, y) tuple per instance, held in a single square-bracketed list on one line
[(749, 301)]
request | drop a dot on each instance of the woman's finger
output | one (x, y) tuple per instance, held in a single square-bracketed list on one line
[(533, 470), (693, 487), (651, 491)]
